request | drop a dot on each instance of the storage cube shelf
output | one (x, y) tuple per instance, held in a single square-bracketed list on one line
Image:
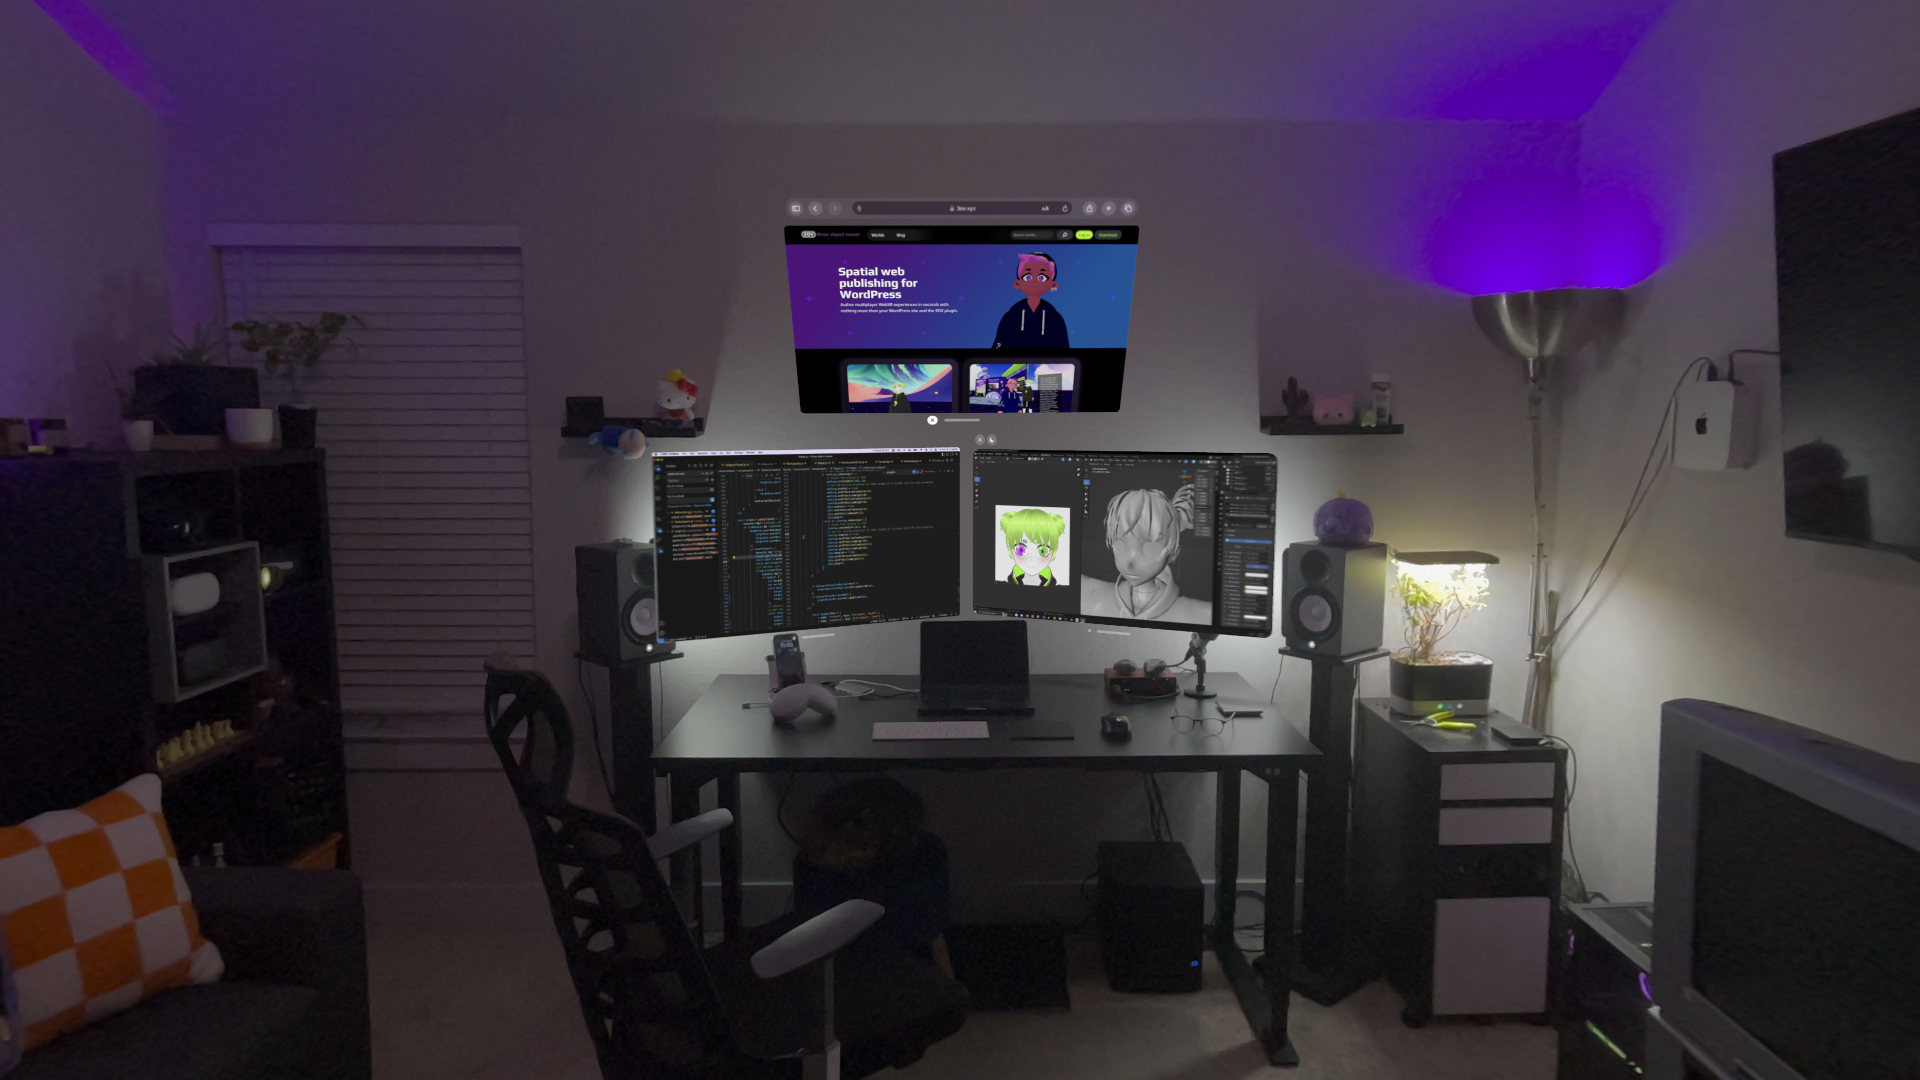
[(238, 621)]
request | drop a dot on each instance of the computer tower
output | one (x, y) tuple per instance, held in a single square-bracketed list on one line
[(1151, 911), (1333, 600), (1602, 1015), (613, 584)]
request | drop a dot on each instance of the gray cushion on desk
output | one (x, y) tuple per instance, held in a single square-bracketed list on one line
[(225, 1029)]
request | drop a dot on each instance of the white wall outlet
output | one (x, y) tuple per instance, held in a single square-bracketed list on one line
[(1715, 426)]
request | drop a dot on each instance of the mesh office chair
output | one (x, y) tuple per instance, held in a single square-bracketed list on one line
[(788, 999)]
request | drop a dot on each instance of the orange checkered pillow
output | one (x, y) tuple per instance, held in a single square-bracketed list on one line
[(94, 915)]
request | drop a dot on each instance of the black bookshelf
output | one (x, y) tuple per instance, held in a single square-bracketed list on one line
[(83, 622)]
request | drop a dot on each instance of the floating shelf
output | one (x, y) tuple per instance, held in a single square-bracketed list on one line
[(1295, 425), (652, 427)]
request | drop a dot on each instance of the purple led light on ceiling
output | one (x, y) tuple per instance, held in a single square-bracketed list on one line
[(100, 41), (1646, 988)]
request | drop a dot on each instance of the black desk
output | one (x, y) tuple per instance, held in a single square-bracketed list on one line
[(718, 740)]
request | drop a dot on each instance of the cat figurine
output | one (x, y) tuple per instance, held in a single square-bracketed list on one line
[(1331, 411)]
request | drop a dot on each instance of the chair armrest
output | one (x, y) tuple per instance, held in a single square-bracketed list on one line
[(684, 834), (817, 938)]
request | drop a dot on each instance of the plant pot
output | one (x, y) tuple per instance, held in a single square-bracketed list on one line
[(191, 399), (139, 435), (250, 429), (297, 424), (1459, 681)]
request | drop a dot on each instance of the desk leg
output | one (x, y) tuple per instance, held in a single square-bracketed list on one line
[(1283, 857), (1226, 854), (1260, 987), (729, 784), (683, 866)]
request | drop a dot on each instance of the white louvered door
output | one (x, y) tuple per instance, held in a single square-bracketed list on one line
[(424, 422)]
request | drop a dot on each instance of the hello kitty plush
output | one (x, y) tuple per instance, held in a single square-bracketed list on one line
[(1331, 411), (677, 395)]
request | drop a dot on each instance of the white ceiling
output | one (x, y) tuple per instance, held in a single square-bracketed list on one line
[(894, 61)]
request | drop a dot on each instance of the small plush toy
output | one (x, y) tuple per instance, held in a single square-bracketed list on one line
[(1331, 411), (1343, 522), (677, 395), (628, 442)]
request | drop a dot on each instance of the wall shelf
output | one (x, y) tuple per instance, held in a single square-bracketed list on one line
[(1296, 425), (652, 427)]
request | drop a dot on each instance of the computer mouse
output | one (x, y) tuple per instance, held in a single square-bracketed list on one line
[(1114, 728)]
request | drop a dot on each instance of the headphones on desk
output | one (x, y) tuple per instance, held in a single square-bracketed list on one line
[(1152, 669), (1126, 683)]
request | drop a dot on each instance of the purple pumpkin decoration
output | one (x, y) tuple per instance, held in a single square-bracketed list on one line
[(1343, 522)]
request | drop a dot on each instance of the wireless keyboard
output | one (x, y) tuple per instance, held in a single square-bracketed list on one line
[(917, 730)]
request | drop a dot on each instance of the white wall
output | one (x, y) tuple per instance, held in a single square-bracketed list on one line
[(1707, 598), (654, 245), (82, 280)]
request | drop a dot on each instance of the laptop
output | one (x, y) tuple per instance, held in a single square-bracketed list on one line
[(974, 667)]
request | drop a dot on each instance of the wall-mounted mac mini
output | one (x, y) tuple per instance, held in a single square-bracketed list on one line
[(1715, 425)]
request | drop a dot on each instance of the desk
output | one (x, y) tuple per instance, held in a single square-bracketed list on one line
[(718, 740)]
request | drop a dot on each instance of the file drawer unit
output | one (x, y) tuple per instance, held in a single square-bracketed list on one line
[(1456, 864)]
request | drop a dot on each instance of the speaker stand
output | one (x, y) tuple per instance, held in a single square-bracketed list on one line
[(630, 719), (1331, 964)]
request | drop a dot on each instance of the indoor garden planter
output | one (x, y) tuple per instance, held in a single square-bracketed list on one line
[(1437, 589), (287, 349)]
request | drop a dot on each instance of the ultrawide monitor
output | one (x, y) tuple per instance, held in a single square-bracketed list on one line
[(764, 541), (960, 318), (1177, 541)]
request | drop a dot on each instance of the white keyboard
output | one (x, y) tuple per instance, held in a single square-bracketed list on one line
[(917, 730)]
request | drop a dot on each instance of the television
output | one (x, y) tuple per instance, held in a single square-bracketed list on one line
[(1045, 307), (1847, 252), (1179, 541), (765, 541), (1786, 925)]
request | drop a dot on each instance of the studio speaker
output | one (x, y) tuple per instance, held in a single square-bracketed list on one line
[(618, 618), (1334, 598)]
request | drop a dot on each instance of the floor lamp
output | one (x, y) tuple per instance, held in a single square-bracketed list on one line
[(1538, 327)]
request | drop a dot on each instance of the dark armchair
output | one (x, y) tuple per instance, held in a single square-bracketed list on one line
[(292, 1005), (782, 999)]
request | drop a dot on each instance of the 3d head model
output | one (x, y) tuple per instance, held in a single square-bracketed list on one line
[(1143, 532), (1033, 542)]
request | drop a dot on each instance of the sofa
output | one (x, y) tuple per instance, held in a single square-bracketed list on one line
[(292, 1005)]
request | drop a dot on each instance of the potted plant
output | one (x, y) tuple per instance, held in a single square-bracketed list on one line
[(136, 416), (287, 348), (188, 393), (1437, 590)]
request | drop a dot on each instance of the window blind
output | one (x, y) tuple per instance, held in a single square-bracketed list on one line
[(424, 422)]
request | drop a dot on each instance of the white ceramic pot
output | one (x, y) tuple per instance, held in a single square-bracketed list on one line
[(250, 429), (139, 435)]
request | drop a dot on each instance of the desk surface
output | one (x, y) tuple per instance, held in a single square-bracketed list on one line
[(716, 733)]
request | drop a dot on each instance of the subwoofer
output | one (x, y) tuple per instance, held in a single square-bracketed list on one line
[(1333, 599), (619, 621)]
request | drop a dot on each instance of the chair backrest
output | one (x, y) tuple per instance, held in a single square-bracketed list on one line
[(645, 991)]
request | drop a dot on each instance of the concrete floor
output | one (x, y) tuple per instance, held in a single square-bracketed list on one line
[(470, 984)]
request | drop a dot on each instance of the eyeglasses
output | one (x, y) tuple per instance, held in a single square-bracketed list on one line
[(1205, 725)]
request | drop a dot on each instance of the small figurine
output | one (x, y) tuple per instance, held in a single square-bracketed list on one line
[(1295, 399), (1331, 411), (1343, 522), (677, 395), (628, 442)]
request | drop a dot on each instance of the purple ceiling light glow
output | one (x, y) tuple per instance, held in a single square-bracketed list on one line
[(108, 49), (1507, 231)]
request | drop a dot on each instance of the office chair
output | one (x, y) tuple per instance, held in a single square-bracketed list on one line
[(790, 999)]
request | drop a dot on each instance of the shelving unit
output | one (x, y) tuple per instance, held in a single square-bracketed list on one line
[(89, 546)]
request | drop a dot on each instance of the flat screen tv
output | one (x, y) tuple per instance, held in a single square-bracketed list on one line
[(1847, 239)]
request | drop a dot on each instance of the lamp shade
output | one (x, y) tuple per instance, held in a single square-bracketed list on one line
[(1551, 323), (1446, 558)]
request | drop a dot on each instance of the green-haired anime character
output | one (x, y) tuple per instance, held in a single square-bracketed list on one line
[(1033, 541)]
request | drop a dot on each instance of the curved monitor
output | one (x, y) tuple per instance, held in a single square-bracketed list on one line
[(1173, 541)]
